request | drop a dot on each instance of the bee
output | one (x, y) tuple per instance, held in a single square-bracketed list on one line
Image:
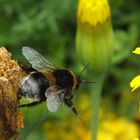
[(46, 83)]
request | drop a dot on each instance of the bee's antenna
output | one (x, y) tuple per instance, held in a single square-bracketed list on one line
[(85, 67), (84, 81), (89, 82)]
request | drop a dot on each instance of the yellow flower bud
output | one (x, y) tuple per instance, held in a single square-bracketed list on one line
[(94, 37)]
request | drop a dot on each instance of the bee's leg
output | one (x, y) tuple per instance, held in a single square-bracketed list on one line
[(30, 104), (69, 103), (26, 68)]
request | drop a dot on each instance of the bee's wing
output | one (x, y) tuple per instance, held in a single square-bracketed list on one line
[(36, 59), (54, 99)]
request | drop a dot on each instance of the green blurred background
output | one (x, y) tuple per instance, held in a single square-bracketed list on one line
[(50, 28)]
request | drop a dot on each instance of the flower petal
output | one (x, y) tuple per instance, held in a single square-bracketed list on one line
[(93, 12), (137, 50), (135, 83)]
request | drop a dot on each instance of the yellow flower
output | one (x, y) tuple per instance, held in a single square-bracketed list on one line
[(136, 138), (123, 130), (103, 135), (94, 38), (135, 83), (137, 50)]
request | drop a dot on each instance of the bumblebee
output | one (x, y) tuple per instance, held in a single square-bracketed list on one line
[(46, 83)]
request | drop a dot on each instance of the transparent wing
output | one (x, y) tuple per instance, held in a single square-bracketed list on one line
[(36, 59), (54, 99)]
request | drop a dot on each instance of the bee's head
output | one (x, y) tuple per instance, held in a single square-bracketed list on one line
[(79, 79)]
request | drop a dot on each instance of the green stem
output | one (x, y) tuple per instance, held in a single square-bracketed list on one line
[(95, 104)]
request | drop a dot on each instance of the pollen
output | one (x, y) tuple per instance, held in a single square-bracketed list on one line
[(93, 12)]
